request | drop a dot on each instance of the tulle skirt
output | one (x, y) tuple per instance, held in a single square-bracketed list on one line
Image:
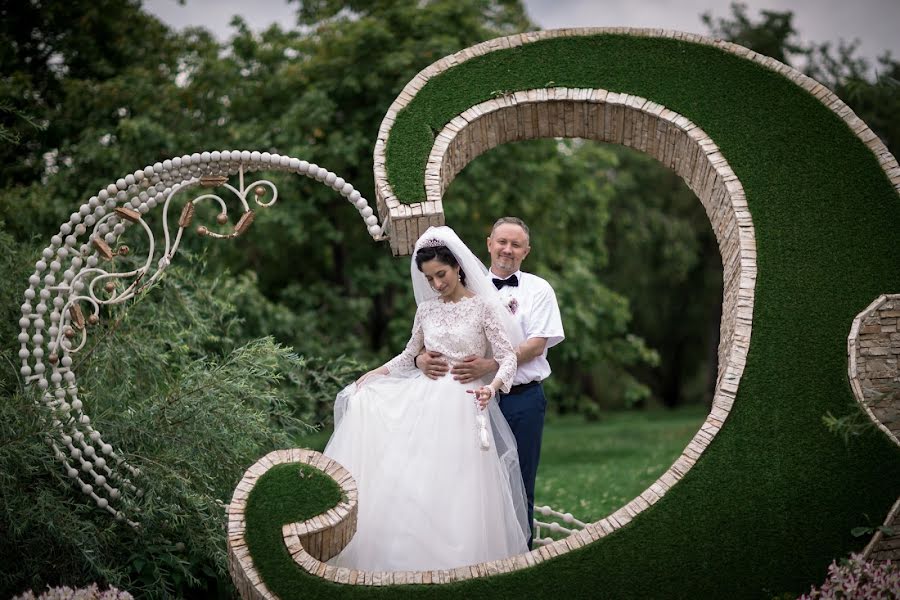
[(430, 496)]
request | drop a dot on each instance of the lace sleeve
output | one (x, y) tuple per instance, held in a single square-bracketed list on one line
[(405, 361), (503, 351)]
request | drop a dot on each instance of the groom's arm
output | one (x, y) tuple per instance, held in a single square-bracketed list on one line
[(475, 367), (530, 349), (432, 364)]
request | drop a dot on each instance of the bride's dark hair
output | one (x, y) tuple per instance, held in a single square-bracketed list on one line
[(443, 255)]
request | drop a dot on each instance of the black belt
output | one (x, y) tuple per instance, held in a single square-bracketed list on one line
[(523, 386)]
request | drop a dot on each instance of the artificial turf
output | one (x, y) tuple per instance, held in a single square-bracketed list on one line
[(773, 499)]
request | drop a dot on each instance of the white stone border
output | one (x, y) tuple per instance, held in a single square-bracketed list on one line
[(324, 535), (405, 221), (853, 358)]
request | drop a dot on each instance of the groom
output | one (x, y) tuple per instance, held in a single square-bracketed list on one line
[(532, 302)]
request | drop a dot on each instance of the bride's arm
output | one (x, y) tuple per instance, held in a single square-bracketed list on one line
[(504, 354), (405, 361)]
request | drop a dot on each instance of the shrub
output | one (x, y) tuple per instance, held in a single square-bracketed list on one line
[(172, 384)]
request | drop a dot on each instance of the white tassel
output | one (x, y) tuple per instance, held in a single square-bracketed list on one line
[(483, 439)]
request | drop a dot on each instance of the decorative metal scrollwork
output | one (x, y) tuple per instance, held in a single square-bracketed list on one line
[(77, 272)]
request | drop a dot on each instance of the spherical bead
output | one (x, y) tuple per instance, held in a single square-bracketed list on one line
[(111, 189), (374, 230), (254, 156), (361, 203), (302, 167)]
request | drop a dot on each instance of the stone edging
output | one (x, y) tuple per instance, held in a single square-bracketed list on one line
[(873, 350), (324, 535), (409, 220)]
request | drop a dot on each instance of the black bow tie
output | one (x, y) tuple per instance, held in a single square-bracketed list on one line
[(512, 281)]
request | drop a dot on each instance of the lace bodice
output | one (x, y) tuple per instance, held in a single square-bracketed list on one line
[(457, 330)]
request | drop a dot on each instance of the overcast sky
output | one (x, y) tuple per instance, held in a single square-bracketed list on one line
[(874, 22)]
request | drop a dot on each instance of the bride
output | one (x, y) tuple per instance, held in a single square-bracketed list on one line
[(434, 460)]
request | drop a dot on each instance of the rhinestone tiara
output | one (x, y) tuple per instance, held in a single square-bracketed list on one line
[(431, 243)]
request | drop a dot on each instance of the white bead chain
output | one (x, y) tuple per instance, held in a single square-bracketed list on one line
[(75, 273)]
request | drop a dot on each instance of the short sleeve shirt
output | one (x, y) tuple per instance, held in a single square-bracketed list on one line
[(533, 304)]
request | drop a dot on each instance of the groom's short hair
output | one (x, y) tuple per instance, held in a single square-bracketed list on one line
[(511, 221)]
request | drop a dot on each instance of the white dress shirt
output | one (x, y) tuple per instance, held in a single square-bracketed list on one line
[(533, 304)]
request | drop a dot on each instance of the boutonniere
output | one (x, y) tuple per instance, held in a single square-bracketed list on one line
[(513, 305)]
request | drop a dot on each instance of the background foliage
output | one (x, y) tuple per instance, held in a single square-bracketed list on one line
[(92, 90)]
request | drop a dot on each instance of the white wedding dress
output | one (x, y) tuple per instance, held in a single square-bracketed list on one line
[(429, 496)]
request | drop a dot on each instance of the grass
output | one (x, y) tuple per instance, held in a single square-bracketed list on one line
[(592, 468)]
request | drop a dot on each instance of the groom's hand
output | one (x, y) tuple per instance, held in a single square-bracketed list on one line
[(472, 368), (433, 364)]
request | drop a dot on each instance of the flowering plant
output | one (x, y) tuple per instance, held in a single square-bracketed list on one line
[(858, 578)]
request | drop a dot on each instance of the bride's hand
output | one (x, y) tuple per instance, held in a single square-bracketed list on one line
[(364, 378), (483, 395)]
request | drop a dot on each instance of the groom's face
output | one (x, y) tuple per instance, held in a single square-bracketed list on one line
[(508, 246)]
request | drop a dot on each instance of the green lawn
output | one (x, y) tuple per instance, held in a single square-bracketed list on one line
[(592, 469)]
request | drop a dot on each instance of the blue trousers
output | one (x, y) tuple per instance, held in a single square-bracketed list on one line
[(524, 411)]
